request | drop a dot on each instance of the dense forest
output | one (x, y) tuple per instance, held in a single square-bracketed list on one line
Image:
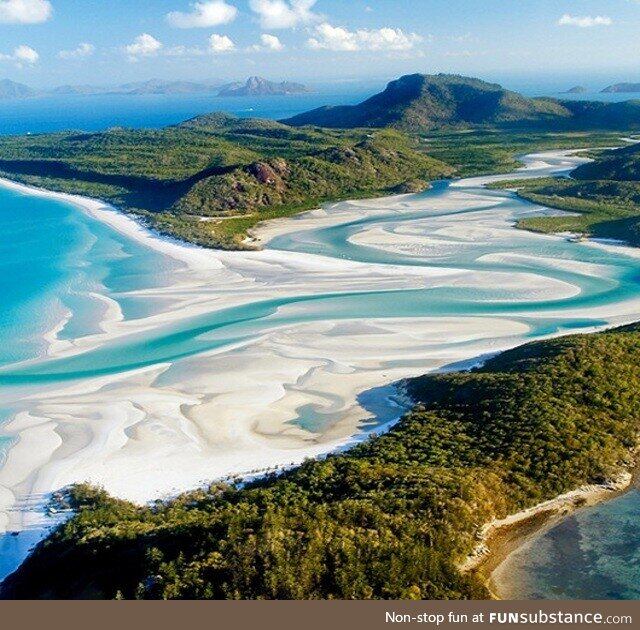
[(390, 518), (605, 193)]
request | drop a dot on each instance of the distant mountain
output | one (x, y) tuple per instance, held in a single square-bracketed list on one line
[(254, 86), (11, 90), (80, 90), (419, 103), (158, 86), (622, 88), (257, 86), (153, 86), (578, 89)]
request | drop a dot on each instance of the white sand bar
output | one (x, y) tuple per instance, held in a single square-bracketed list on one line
[(154, 431)]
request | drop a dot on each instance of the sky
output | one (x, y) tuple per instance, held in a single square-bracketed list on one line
[(52, 42)]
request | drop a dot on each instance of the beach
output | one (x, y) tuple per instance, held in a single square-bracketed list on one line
[(309, 350), (500, 538)]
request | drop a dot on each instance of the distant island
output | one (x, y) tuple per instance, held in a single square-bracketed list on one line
[(153, 86), (257, 86), (12, 90), (622, 88), (578, 89), (254, 86)]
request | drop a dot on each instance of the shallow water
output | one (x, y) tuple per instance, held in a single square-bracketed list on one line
[(447, 254), (593, 554)]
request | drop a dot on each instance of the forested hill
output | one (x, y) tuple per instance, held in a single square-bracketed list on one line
[(210, 179), (603, 197), (419, 103), (621, 165), (388, 519)]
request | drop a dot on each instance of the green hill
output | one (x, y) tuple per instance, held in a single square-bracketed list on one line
[(389, 518), (232, 172), (605, 194), (419, 103), (211, 179), (622, 165)]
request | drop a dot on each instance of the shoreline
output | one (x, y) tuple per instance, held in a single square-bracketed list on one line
[(157, 431), (500, 538)]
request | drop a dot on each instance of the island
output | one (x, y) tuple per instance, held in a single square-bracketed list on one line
[(254, 86), (406, 513), (10, 90), (578, 89), (622, 88), (153, 86), (258, 86)]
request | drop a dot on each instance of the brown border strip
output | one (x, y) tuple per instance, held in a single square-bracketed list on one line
[(304, 615)]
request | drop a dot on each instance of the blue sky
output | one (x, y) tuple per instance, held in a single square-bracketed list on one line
[(47, 42)]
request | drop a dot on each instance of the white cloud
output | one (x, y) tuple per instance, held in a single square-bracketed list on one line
[(585, 21), (83, 50), (220, 44), (144, 45), (26, 54), (271, 42), (284, 13), (203, 15), (336, 38), (25, 11), (22, 55)]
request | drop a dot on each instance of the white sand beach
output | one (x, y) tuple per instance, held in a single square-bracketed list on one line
[(173, 426)]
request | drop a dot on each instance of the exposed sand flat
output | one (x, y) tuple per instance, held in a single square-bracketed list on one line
[(294, 387)]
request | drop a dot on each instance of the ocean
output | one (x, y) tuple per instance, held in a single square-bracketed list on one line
[(96, 113), (62, 270), (593, 554)]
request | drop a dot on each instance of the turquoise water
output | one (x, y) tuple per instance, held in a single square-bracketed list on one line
[(55, 261), (594, 554)]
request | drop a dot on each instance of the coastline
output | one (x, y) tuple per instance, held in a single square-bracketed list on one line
[(154, 432), (500, 538), (248, 437)]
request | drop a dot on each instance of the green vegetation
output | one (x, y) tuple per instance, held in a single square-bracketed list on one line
[(605, 194), (419, 103), (390, 518), (213, 178), (493, 151), (233, 173)]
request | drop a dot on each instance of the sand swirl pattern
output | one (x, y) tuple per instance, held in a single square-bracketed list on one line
[(160, 366)]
